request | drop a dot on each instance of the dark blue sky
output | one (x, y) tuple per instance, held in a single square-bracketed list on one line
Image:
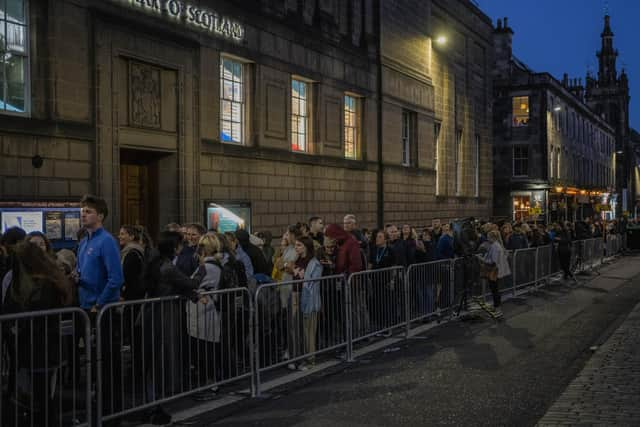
[(559, 36)]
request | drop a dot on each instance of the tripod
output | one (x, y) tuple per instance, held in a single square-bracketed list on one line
[(471, 275)]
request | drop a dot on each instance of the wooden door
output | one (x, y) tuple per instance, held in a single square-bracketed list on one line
[(133, 188)]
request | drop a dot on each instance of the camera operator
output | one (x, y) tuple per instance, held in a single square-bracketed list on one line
[(563, 240)]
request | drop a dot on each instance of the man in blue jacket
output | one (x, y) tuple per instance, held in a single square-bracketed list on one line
[(99, 281), (99, 269)]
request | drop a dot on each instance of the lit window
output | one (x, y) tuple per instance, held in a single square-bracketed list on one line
[(408, 121), (351, 127), (299, 115), (232, 101), (520, 111), (521, 206), (15, 58), (520, 160)]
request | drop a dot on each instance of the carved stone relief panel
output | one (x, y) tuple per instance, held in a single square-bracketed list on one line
[(144, 95)]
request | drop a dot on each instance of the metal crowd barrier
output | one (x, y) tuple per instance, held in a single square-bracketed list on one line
[(614, 245), (46, 368), (430, 288), (297, 320), (376, 303), (544, 263), (149, 352), (524, 268), (152, 351)]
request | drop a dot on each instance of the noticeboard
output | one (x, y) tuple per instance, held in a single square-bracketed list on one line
[(228, 216), (59, 221)]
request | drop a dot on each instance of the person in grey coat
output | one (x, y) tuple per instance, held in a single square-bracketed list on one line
[(203, 316)]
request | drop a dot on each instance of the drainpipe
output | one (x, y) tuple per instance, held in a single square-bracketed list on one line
[(380, 177)]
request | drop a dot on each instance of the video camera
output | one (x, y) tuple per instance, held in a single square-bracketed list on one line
[(465, 237)]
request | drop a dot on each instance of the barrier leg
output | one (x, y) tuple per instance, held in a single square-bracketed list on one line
[(348, 321)]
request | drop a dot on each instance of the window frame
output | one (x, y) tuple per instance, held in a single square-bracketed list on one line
[(26, 55), (515, 115), (356, 127), (408, 138), (437, 130), (520, 159), (307, 117), (243, 103), (457, 160)]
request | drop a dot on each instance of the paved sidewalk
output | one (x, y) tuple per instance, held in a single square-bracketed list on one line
[(607, 391)]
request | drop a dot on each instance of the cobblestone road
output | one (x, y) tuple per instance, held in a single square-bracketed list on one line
[(607, 391)]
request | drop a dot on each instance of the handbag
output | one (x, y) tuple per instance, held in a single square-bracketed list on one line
[(489, 272)]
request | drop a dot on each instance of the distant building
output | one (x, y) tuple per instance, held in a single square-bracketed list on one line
[(553, 155), (608, 96)]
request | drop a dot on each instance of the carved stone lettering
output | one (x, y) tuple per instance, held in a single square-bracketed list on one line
[(144, 95)]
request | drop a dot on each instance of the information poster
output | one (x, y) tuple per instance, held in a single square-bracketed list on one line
[(71, 225), (29, 221), (230, 216), (53, 225), (59, 221)]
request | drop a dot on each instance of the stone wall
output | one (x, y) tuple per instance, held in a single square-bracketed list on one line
[(66, 171), (283, 193)]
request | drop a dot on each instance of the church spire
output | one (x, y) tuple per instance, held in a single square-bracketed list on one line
[(607, 73)]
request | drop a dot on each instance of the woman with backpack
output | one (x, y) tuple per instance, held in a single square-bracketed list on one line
[(203, 317)]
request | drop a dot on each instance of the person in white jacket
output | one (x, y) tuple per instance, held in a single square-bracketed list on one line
[(496, 260)]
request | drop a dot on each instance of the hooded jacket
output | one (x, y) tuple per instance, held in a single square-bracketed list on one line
[(348, 259), (256, 256)]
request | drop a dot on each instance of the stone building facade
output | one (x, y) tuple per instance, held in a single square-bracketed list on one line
[(288, 108), (435, 68), (554, 156), (608, 95)]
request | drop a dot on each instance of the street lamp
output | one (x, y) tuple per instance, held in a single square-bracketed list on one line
[(441, 40)]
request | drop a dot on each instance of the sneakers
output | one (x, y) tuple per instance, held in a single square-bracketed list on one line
[(292, 366)]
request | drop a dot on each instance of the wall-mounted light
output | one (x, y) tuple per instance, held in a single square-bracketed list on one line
[(441, 40), (559, 189), (557, 108), (619, 152)]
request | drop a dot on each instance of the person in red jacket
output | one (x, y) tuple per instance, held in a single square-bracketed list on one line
[(348, 258)]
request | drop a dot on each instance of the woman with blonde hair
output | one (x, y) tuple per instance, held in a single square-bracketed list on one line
[(203, 316), (496, 267)]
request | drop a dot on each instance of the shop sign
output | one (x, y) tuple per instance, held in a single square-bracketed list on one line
[(535, 211), (603, 208), (191, 14)]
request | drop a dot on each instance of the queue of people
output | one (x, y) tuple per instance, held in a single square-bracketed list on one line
[(193, 262)]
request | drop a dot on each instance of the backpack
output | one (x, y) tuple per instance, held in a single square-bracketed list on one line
[(228, 275)]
